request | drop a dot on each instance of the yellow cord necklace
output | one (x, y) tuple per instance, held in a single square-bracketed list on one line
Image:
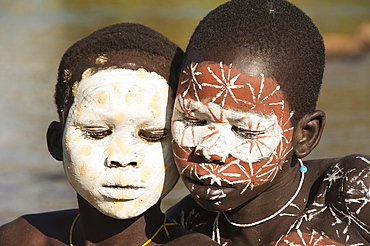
[(164, 226)]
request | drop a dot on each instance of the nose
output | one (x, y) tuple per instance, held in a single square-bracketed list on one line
[(116, 160), (213, 148), (116, 164), (120, 156), (218, 159)]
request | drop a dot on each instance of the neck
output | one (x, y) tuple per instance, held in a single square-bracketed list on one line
[(272, 212), (94, 228)]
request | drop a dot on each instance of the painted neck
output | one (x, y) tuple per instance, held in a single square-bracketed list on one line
[(277, 207)]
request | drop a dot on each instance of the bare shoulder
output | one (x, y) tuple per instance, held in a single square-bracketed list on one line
[(38, 229), (349, 191), (18, 232), (191, 216)]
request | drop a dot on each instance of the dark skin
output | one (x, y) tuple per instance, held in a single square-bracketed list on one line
[(330, 209), (93, 228)]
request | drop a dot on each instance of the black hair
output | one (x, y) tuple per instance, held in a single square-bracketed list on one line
[(274, 35), (118, 45)]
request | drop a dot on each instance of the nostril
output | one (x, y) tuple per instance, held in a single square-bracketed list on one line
[(200, 153), (212, 158), (114, 164), (218, 162)]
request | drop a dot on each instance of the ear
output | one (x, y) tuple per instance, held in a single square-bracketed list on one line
[(54, 140), (308, 132)]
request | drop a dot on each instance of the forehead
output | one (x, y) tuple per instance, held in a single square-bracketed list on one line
[(119, 79), (134, 93), (222, 84)]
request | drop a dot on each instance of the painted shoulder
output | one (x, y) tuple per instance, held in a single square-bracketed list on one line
[(191, 216), (338, 212), (349, 191), (50, 228)]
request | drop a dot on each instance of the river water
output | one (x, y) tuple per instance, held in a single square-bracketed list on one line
[(34, 35)]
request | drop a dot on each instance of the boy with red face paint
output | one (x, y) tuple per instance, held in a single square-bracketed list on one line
[(245, 116)]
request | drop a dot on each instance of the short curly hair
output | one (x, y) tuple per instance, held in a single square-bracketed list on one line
[(123, 45), (273, 35)]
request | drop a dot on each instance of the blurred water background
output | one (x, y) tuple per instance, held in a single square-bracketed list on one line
[(35, 33)]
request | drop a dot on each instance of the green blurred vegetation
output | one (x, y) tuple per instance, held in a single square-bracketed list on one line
[(336, 16), (177, 18)]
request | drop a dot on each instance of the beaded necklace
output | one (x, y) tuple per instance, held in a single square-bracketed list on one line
[(163, 226)]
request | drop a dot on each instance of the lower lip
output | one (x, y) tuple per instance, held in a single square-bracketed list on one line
[(121, 193), (210, 193)]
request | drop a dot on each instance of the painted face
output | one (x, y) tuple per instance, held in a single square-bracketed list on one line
[(231, 132), (117, 151)]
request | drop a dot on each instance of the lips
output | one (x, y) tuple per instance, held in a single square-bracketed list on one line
[(208, 190), (123, 193)]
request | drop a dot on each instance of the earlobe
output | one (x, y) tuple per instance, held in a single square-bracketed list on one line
[(54, 140), (308, 133)]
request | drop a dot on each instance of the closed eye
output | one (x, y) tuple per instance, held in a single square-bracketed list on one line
[(153, 135), (244, 133), (192, 121), (96, 132)]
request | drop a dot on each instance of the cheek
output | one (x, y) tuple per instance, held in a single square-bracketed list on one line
[(189, 136), (181, 155), (159, 170), (86, 150), (146, 173), (151, 164), (87, 172), (81, 161), (257, 149), (238, 166)]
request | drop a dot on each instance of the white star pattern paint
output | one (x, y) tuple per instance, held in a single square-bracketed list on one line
[(117, 154), (218, 139), (357, 197), (233, 118)]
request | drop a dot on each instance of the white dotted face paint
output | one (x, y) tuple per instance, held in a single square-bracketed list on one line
[(117, 152)]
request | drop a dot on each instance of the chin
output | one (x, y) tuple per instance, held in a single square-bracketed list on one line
[(122, 210), (216, 204)]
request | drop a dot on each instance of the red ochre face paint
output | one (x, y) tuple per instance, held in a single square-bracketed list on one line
[(240, 126)]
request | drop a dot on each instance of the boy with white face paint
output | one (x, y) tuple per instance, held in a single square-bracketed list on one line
[(244, 117), (114, 97)]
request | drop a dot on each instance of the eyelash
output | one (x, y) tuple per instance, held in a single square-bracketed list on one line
[(246, 133), (153, 135), (96, 133), (194, 121), (243, 133)]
